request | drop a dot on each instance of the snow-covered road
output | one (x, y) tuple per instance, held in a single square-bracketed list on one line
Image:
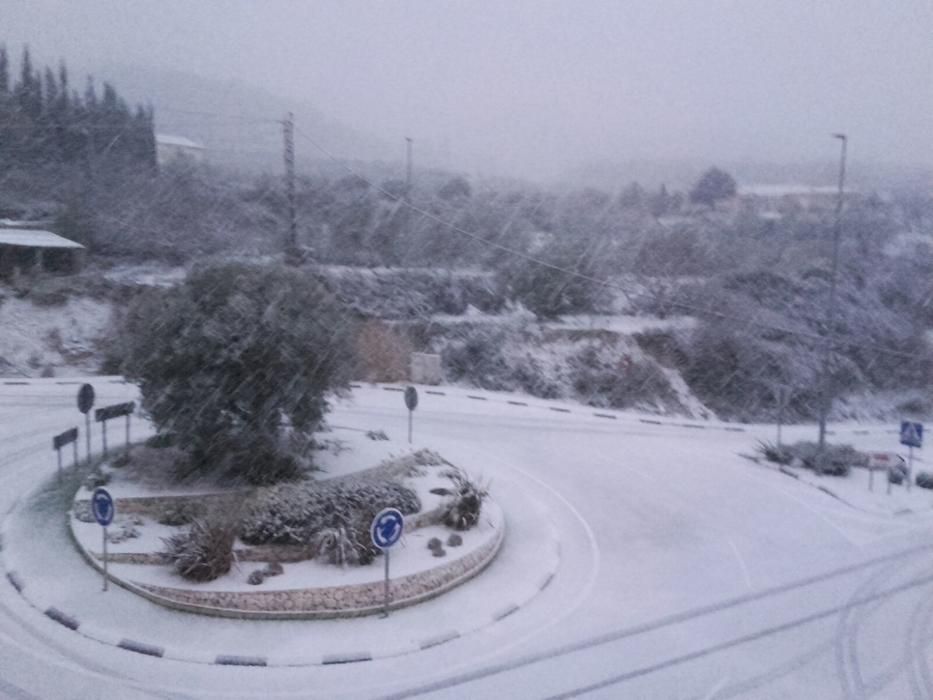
[(686, 571)]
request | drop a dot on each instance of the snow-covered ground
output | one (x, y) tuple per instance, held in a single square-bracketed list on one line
[(686, 571), (61, 337)]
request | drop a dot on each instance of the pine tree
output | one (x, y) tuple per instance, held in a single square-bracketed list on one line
[(4, 71)]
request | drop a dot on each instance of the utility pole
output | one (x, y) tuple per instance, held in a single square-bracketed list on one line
[(291, 238), (408, 143), (825, 398)]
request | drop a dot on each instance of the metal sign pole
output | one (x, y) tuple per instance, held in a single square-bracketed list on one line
[(410, 413), (127, 433), (58, 454), (87, 430), (910, 465), (105, 556), (103, 424), (871, 478), (75, 445), (385, 608)]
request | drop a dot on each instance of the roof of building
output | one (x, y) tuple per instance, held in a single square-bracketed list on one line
[(787, 190), (169, 140), (34, 238)]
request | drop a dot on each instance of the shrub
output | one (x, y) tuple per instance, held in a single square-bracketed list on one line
[(346, 544), (161, 441), (606, 378), (298, 513), (549, 290), (462, 511), (205, 551), (774, 453), (835, 461), (924, 480)]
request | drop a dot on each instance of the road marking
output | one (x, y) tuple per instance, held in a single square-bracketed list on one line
[(677, 618), (439, 639), (739, 641), (351, 658)]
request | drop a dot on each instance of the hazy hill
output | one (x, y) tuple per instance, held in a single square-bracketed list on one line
[(236, 120)]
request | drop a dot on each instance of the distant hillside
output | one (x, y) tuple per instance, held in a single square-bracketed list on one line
[(235, 120), (681, 174)]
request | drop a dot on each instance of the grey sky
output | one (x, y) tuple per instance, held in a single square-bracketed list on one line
[(535, 87)]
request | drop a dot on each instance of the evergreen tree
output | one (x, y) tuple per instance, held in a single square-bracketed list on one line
[(4, 71)]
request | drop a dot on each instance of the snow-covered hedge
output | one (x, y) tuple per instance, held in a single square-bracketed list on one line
[(295, 513), (405, 293)]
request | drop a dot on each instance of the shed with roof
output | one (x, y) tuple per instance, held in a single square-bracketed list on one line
[(28, 250)]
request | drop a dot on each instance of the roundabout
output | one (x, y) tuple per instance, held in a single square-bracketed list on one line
[(480, 584), (640, 558)]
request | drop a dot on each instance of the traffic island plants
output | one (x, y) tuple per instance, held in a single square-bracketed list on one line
[(234, 367)]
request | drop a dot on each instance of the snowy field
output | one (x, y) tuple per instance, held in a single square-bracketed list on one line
[(686, 571)]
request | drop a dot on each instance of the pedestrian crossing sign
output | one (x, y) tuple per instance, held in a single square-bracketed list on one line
[(911, 433)]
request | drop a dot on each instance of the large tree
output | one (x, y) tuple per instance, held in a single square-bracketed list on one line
[(713, 185), (228, 359)]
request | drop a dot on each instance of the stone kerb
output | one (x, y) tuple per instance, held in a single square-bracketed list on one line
[(315, 603)]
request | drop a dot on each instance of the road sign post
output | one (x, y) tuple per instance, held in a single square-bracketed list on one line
[(102, 415), (103, 509), (62, 439), (912, 436), (85, 404), (411, 401), (385, 531)]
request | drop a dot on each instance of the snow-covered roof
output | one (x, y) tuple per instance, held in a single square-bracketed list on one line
[(34, 238), (787, 190), (21, 223), (169, 140)]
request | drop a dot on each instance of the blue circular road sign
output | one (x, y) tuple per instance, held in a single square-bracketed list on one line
[(102, 507), (387, 528)]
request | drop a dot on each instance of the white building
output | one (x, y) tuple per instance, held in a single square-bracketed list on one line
[(172, 148)]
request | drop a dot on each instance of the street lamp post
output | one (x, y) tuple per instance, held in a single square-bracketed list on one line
[(826, 398)]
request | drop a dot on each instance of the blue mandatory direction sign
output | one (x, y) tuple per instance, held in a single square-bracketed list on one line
[(387, 528), (911, 434), (102, 507)]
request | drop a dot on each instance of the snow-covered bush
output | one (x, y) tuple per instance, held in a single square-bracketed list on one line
[(205, 551), (463, 509), (924, 480), (835, 461), (406, 293), (348, 544), (603, 377), (297, 513), (481, 356)]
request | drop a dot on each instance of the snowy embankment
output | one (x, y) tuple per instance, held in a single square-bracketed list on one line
[(52, 340)]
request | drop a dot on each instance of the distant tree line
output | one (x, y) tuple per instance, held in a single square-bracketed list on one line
[(45, 122)]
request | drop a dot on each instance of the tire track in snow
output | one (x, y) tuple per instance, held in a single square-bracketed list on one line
[(916, 642), (845, 643)]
